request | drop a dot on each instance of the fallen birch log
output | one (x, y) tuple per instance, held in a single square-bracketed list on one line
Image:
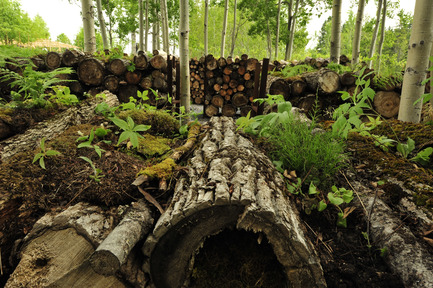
[(114, 250), (230, 184)]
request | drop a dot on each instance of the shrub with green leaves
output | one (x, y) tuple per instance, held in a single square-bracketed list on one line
[(130, 130)]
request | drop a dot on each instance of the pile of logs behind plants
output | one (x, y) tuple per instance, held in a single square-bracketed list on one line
[(224, 86)]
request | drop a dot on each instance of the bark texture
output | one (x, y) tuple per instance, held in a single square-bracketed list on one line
[(230, 184), (420, 44), (336, 31)]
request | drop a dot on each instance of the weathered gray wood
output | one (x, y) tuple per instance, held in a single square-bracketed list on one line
[(114, 250), (230, 184), (82, 113)]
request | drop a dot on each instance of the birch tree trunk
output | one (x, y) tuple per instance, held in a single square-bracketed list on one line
[(289, 26), (102, 25), (278, 30), (375, 32), (146, 31), (420, 44), (133, 43), (382, 35), (292, 30), (336, 31), (88, 26), (206, 15), (164, 21), (140, 25), (184, 55), (357, 37), (269, 39), (234, 30), (223, 36)]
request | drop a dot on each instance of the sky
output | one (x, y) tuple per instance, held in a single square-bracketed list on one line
[(63, 17)]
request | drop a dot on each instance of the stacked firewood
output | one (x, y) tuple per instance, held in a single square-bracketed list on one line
[(223, 85)]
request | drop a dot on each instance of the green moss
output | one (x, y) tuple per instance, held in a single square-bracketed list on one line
[(162, 123), (66, 143), (151, 146), (162, 170)]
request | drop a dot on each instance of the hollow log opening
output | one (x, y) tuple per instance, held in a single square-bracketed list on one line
[(237, 258)]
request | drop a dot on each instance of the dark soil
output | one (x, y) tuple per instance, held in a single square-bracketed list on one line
[(229, 259)]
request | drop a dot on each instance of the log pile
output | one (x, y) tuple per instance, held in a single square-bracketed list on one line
[(223, 85)]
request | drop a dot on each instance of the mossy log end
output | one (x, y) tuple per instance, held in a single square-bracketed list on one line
[(230, 184)]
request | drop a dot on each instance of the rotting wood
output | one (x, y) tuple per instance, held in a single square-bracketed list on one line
[(71, 58), (118, 66), (230, 183), (91, 71), (52, 127), (114, 250)]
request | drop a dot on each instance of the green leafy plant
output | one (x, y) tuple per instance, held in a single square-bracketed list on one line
[(130, 130), (97, 176), (141, 102), (422, 157), (426, 97), (337, 197), (44, 153), (88, 139), (33, 84), (63, 96)]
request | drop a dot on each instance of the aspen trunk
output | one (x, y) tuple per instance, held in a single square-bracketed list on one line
[(357, 36), (185, 95), (417, 62), (336, 31), (102, 25), (375, 32), (224, 31), (89, 26), (382, 36)]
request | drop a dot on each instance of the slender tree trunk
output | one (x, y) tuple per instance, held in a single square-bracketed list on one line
[(88, 26), (154, 35), (184, 55), (292, 30), (278, 30), (382, 36), (158, 33), (223, 36), (289, 26), (110, 24), (357, 37), (164, 21), (102, 24), (336, 31), (146, 31), (375, 32), (140, 25), (206, 15), (269, 40), (417, 62), (133, 43), (234, 30)]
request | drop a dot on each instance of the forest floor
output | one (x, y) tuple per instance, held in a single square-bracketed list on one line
[(27, 192)]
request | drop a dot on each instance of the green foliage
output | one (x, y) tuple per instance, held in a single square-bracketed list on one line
[(347, 115), (315, 156), (63, 38), (340, 69), (88, 139), (130, 130), (97, 176), (289, 71), (33, 84), (428, 96), (422, 157), (337, 197), (63, 96), (44, 153)]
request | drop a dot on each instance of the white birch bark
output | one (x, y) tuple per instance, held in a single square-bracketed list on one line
[(292, 30), (375, 32), (289, 26), (278, 30), (382, 36), (102, 25), (88, 26), (223, 36), (206, 15), (146, 31), (184, 55), (234, 30), (164, 22), (140, 26), (357, 37), (133, 43), (336, 31), (420, 44)]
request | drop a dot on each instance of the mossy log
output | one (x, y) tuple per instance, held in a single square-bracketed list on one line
[(230, 184), (73, 116)]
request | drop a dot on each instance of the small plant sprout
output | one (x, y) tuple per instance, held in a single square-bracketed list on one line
[(422, 157), (337, 197), (130, 130), (63, 96), (89, 139), (96, 172), (44, 153)]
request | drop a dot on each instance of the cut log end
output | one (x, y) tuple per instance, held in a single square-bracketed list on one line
[(104, 263), (387, 104)]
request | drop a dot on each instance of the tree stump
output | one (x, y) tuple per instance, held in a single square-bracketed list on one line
[(230, 184)]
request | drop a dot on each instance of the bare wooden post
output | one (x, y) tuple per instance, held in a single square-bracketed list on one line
[(170, 79), (263, 80), (256, 85)]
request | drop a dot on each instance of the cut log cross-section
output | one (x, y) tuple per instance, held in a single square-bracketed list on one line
[(91, 72), (323, 81), (53, 60), (230, 184), (387, 103)]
